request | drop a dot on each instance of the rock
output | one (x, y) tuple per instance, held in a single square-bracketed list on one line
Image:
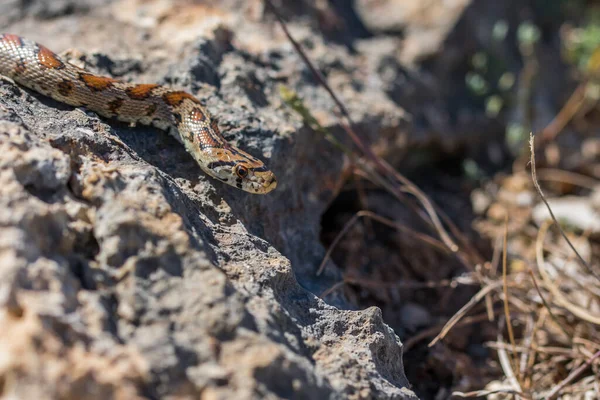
[(130, 274), (424, 23), (115, 270), (396, 15), (16, 9)]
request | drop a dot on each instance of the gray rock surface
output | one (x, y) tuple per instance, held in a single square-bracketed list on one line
[(127, 273)]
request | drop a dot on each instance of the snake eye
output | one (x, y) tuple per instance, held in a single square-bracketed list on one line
[(241, 171)]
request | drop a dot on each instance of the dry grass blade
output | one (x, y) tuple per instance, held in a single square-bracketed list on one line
[(505, 362), (561, 351), (565, 115), (366, 170), (401, 285), (572, 376), (464, 309), (452, 283), (483, 393), (573, 178), (332, 289), (413, 340), (545, 303), (511, 334), (550, 315), (368, 214), (292, 99), (539, 190), (379, 163), (317, 74), (560, 299), (528, 357)]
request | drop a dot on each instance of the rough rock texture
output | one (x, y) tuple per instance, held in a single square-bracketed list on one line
[(127, 273), (118, 281)]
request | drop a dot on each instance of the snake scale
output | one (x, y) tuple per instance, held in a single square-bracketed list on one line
[(181, 114)]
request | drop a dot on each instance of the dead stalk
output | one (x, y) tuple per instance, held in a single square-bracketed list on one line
[(572, 376), (368, 214), (539, 190), (381, 165), (511, 334)]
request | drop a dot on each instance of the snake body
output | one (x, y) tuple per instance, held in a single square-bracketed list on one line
[(181, 114)]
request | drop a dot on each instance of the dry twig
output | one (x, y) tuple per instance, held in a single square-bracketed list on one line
[(381, 165), (511, 334), (539, 190), (370, 215), (572, 376), (464, 309)]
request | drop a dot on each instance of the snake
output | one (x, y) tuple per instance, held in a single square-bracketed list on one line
[(179, 113)]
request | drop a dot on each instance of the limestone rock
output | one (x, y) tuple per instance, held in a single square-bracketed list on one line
[(127, 273)]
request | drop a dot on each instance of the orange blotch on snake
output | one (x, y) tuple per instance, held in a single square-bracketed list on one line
[(176, 98), (96, 83), (140, 92), (48, 59), (13, 40)]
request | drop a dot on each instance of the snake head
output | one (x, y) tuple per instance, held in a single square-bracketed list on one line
[(254, 179), (241, 170)]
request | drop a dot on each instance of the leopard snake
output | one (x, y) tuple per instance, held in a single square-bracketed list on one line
[(181, 114)]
